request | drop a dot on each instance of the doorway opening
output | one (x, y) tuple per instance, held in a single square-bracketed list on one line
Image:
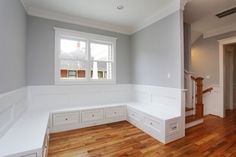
[(227, 58)]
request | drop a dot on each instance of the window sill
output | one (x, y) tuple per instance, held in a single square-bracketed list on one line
[(70, 82)]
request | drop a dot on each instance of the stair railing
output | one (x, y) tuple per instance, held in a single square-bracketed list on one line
[(199, 99), (198, 96)]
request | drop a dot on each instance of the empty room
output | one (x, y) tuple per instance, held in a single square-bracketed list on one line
[(117, 78)]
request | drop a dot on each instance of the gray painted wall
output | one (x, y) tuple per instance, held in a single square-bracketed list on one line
[(205, 58), (155, 52), (40, 50), (187, 46), (12, 45)]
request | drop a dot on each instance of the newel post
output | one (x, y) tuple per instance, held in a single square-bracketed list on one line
[(199, 105)]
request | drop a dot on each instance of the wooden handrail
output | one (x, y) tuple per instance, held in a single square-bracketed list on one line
[(193, 78), (207, 90)]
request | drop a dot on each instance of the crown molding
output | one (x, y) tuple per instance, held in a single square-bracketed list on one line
[(78, 20), (219, 31), (183, 3), (160, 14), (172, 7)]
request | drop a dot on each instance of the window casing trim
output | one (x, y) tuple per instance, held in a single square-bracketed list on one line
[(89, 38)]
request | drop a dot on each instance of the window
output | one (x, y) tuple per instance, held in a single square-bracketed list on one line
[(83, 58)]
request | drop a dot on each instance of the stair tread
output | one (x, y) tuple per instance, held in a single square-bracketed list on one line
[(191, 118)]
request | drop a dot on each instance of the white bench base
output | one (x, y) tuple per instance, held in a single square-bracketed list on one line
[(163, 127)]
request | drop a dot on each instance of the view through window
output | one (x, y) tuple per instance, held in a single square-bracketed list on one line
[(85, 59)]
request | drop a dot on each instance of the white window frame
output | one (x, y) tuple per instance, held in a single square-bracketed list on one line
[(88, 37)]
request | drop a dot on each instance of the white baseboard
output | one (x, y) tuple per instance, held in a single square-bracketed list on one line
[(197, 122)]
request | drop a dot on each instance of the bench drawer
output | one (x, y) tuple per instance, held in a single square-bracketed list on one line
[(134, 116), (65, 118), (92, 116), (172, 127), (153, 124), (115, 112)]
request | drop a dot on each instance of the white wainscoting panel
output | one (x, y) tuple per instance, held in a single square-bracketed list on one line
[(44, 100), (12, 105), (59, 97), (169, 98), (211, 101)]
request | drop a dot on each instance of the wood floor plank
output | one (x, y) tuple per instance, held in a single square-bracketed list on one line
[(215, 138)]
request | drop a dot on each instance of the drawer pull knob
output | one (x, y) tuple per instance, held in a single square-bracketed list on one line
[(151, 123), (66, 119), (174, 127), (93, 115), (114, 112)]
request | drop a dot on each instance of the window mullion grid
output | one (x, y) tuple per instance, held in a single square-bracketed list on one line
[(88, 69), (112, 66)]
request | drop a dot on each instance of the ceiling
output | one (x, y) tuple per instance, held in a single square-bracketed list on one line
[(102, 13), (201, 15)]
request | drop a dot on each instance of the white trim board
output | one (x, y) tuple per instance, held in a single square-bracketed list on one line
[(221, 71), (173, 6), (160, 14), (219, 31), (189, 125)]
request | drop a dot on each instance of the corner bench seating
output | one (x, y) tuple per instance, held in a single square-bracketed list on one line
[(29, 135)]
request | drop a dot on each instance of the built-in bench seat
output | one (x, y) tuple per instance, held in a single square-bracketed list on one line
[(28, 137), (160, 124)]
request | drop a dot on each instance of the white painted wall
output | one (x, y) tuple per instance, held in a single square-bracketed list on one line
[(211, 101), (12, 106)]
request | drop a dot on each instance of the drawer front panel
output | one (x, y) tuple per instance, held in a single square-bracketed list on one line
[(172, 127), (92, 116), (153, 124), (65, 118), (134, 116), (115, 112)]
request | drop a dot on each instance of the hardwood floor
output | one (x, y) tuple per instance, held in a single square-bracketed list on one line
[(215, 138)]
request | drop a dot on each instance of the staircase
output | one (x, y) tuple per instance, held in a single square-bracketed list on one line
[(194, 108)]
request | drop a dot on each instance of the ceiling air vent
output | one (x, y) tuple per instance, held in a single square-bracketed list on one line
[(226, 13)]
